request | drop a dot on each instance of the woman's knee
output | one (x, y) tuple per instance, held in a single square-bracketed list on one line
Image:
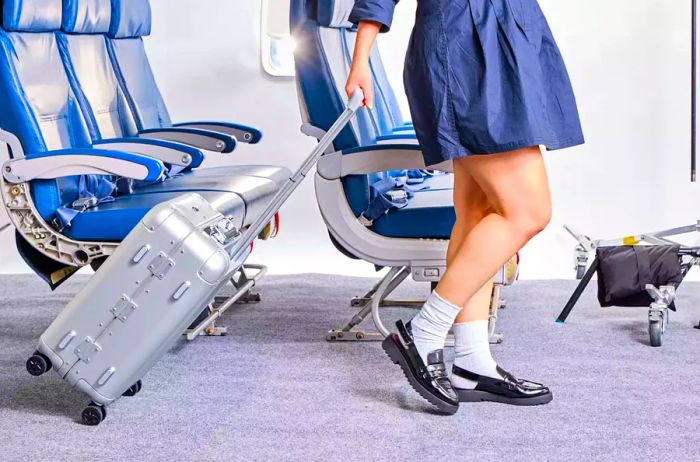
[(530, 219)]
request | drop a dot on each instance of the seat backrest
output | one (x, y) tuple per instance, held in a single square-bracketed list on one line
[(131, 21), (83, 46), (387, 113), (322, 63), (38, 105), (337, 36)]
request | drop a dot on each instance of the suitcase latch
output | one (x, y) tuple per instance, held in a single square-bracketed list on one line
[(224, 231), (160, 265), (87, 350), (124, 308)]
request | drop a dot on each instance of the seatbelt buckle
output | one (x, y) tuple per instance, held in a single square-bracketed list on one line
[(364, 221), (397, 195), (84, 203)]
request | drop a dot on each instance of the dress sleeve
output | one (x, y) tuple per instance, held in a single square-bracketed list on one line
[(381, 11)]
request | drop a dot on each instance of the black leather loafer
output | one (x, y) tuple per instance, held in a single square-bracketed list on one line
[(431, 380), (507, 389)]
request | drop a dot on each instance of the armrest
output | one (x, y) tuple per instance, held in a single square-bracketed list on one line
[(242, 133), (166, 151), (68, 162), (13, 144), (373, 159), (202, 139)]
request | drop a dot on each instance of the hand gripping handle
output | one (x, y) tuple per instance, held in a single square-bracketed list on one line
[(242, 243)]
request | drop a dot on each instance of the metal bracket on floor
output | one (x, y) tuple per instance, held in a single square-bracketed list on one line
[(243, 283), (376, 298)]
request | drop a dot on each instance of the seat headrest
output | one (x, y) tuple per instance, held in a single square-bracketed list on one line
[(86, 16), (31, 15), (130, 18), (335, 13)]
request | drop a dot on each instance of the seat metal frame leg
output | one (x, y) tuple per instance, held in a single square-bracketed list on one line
[(372, 302), (497, 303), (243, 283), (376, 299)]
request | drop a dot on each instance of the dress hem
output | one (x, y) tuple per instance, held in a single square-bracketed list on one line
[(474, 150)]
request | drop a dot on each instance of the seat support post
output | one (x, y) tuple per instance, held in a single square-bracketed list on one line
[(376, 298), (243, 283)]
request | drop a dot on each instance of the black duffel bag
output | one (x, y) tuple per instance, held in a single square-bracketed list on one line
[(624, 272)]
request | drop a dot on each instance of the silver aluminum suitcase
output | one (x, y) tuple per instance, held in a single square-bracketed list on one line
[(151, 289), (140, 301)]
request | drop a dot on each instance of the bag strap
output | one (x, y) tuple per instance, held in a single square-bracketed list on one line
[(643, 264)]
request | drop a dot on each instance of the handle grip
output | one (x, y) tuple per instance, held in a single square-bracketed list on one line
[(356, 100), (240, 245)]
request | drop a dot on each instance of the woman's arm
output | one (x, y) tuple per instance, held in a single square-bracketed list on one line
[(361, 73)]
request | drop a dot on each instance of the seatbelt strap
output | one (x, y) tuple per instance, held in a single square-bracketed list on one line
[(93, 190), (387, 194)]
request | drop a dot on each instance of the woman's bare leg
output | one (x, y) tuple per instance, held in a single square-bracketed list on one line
[(516, 185), (471, 206)]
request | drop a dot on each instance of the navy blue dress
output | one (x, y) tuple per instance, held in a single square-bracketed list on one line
[(482, 77)]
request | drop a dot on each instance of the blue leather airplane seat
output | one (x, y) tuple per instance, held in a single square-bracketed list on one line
[(84, 51), (83, 45), (130, 22), (40, 108), (318, 27)]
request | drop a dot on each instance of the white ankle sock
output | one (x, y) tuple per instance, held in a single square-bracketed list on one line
[(432, 323), (473, 352)]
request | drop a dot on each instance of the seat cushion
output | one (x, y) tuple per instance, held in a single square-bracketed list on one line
[(440, 182), (112, 221), (429, 215)]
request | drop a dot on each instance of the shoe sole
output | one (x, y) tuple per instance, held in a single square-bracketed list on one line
[(475, 396), (395, 353)]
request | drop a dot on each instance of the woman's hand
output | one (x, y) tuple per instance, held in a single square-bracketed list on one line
[(361, 73), (361, 77)]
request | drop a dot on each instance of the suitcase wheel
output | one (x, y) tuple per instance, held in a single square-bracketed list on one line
[(94, 414), (134, 389), (38, 364)]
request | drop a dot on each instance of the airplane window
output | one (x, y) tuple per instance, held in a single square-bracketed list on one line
[(277, 44)]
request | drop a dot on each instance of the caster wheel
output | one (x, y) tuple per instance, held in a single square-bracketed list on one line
[(656, 334), (38, 364), (133, 390), (93, 415)]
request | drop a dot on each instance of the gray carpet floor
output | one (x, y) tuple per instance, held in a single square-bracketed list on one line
[(275, 390)]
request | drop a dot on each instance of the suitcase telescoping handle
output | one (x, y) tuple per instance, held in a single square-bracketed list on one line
[(241, 244)]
